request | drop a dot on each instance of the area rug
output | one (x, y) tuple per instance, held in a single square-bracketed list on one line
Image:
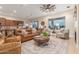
[(55, 46)]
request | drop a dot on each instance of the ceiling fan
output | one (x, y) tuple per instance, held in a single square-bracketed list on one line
[(47, 7)]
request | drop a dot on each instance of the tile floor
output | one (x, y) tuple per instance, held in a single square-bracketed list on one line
[(55, 46)]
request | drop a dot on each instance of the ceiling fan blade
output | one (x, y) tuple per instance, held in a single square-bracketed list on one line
[(48, 7), (53, 6), (44, 5)]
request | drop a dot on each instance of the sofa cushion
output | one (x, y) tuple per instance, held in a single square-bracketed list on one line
[(10, 47), (1, 41), (13, 39)]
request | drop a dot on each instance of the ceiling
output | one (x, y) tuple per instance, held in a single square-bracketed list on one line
[(27, 11)]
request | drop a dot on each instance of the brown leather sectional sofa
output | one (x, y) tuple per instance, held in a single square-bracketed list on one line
[(28, 37)]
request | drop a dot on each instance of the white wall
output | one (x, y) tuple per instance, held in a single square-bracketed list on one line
[(77, 26)]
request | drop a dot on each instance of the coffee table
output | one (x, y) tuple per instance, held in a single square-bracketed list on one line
[(40, 40)]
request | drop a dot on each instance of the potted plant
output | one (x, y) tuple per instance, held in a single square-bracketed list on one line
[(45, 35)]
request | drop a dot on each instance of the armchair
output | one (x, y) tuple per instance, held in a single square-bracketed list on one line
[(11, 45), (63, 35)]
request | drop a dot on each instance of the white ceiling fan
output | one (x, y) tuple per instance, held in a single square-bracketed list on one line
[(47, 7)]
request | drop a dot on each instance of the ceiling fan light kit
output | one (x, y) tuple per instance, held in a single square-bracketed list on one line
[(47, 7)]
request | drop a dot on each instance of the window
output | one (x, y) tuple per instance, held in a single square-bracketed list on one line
[(35, 24), (57, 23)]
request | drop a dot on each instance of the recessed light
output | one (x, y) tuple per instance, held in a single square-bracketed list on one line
[(14, 11), (0, 7)]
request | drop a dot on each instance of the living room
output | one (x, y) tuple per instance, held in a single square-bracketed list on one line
[(41, 29), (66, 15)]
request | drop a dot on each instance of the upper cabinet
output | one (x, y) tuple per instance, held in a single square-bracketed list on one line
[(8, 22)]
